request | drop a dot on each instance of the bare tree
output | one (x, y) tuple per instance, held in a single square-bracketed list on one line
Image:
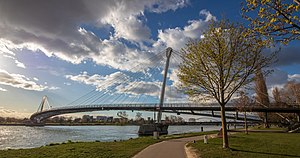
[(276, 95), (242, 103), (262, 96), (295, 90), (138, 116), (224, 60)]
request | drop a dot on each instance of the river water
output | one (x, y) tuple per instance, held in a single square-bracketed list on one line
[(14, 137)]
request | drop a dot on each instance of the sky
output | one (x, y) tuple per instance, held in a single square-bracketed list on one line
[(66, 49)]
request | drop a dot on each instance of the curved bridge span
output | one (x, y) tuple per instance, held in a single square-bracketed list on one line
[(179, 108), (171, 107)]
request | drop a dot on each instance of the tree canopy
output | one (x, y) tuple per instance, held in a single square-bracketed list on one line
[(277, 19), (220, 63)]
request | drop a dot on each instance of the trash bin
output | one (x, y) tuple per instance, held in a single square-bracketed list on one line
[(205, 139)]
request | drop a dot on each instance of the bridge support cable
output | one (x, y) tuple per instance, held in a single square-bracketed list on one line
[(72, 103), (135, 89), (168, 55), (93, 97), (111, 95), (124, 97)]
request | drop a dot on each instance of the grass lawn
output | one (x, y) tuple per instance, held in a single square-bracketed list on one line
[(120, 149), (124, 149), (273, 145)]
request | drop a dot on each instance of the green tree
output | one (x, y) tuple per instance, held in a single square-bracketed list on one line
[(277, 19), (220, 63)]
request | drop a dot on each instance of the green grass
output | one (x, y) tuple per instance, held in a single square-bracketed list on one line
[(176, 136), (120, 149), (272, 145)]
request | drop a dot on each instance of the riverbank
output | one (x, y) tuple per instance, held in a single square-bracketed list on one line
[(250, 145), (232, 124), (124, 149)]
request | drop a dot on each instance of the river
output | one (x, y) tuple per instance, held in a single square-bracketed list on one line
[(15, 137)]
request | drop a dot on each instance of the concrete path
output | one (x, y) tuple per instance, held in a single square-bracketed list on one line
[(174, 148)]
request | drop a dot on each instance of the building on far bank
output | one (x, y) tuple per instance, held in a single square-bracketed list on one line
[(101, 118), (87, 118)]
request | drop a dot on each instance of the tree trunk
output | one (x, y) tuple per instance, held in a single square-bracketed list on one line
[(224, 128), (245, 119)]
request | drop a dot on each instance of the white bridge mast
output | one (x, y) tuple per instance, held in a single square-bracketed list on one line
[(162, 95)]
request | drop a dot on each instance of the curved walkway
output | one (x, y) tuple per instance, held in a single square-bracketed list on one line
[(174, 148)]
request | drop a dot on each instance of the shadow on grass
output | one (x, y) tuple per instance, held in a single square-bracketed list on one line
[(257, 152)]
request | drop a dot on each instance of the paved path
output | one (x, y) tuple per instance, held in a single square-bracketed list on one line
[(173, 148)]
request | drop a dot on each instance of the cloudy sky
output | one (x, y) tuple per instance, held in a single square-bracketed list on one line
[(65, 49)]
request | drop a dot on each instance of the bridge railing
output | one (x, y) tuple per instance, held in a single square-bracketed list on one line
[(136, 105), (155, 105)]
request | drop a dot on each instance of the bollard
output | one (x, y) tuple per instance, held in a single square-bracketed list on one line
[(155, 135), (205, 139)]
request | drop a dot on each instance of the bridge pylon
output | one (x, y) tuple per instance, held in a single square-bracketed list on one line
[(43, 104), (162, 95)]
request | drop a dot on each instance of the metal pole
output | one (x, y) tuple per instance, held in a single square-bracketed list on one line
[(162, 95)]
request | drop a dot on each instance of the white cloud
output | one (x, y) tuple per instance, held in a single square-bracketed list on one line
[(19, 64), (36, 79), (294, 77), (5, 51), (19, 81), (101, 82), (53, 88), (173, 94), (178, 37), (3, 90), (125, 85), (141, 87), (4, 112), (153, 89), (174, 78), (55, 30), (67, 83), (117, 55)]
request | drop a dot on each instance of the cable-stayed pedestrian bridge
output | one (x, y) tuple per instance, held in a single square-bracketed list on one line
[(210, 110), (135, 88)]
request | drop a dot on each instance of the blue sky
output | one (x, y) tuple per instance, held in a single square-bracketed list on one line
[(64, 49)]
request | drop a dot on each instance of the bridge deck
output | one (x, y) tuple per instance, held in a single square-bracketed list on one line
[(175, 108)]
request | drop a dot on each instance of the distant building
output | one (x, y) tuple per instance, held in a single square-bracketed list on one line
[(116, 120), (101, 118), (87, 118), (110, 119), (76, 120)]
